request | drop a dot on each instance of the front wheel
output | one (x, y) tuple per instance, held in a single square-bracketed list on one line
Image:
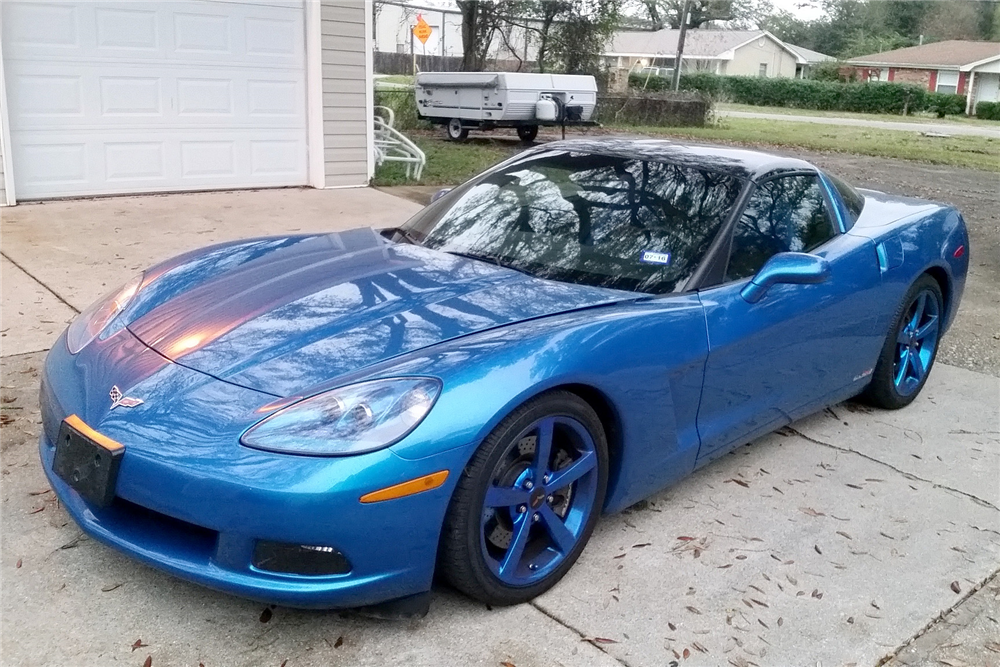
[(910, 348), (527, 502), (527, 133), (455, 130)]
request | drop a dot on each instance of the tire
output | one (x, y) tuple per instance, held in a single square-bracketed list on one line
[(910, 348), (527, 133), (455, 130), (509, 533)]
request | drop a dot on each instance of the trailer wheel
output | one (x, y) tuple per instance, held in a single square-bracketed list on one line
[(455, 130), (527, 133)]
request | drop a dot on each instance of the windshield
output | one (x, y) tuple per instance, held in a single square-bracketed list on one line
[(601, 220)]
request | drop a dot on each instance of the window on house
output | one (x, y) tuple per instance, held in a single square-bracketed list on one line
[(763, 69), (947, 82)]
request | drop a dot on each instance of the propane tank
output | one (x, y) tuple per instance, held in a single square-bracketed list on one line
[(546, 110)]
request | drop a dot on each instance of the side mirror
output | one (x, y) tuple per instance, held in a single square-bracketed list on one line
[(786, 267), (440, 193)]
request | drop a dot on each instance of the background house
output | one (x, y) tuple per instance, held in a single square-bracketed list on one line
[(953, 66), (808, 60), (730, 52), (128, 97)]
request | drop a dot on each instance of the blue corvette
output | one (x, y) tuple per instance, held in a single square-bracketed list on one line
[(328, 420)]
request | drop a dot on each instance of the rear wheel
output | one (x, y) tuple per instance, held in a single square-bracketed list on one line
[(910, 348), (527, 133), (527, 502), (455, 130)]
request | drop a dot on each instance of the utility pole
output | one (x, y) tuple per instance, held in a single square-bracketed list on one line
[(685, 15)]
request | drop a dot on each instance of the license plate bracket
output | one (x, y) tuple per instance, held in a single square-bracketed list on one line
[(88, 461)]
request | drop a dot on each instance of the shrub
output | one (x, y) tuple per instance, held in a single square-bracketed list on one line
[(404, 106), (872, 97), (945, 104), (826, 71), (654, 109), (988, 110)]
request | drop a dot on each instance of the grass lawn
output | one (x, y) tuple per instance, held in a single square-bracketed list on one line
[(922, 117), (450, 163), (957, 151)]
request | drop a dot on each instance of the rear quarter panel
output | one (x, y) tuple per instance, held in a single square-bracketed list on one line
[(913, 237)]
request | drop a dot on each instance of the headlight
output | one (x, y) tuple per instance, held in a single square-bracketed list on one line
[(350, 420), (91, 322)]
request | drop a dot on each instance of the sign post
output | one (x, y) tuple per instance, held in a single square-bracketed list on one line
[(422, 31)]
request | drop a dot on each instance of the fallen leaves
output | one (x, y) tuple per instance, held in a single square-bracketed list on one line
[(843, 534), (810, 511), (339, 642), (111, 587), (18, 563), (693, 610), (137, 644), (737, 481), (148, 662), (955, 586)]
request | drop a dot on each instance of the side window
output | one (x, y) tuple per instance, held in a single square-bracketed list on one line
[(784, 214)]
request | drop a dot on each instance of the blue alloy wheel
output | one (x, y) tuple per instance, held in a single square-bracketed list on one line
[(916, 343), (541, 494), (528, 501), (910, 347)]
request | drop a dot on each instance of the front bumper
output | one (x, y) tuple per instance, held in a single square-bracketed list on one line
[(197, 509)]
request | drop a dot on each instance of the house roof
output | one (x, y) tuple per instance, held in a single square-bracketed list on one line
[(809, 55), (697, 43), (950, 54)]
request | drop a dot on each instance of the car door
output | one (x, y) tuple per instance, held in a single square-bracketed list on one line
[(801, 344)]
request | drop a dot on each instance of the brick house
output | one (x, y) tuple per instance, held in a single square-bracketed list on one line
[(954, 66)]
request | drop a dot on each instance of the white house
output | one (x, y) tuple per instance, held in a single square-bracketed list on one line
[(732, 52), (102, 98), (394, 21)]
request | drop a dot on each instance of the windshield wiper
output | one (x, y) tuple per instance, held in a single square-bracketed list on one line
[(406, 236)]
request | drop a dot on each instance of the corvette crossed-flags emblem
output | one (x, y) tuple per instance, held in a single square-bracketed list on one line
[(118, 398)]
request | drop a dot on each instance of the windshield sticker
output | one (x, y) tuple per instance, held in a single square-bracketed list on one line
[(650, 257)]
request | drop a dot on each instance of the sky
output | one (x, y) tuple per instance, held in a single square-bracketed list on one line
[(807, 11)]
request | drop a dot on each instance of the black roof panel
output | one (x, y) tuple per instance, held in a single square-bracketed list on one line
[(740, 162)]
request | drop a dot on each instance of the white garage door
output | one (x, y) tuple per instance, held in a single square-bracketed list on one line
[(124, 97)]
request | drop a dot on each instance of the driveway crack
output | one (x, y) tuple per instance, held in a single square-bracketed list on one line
[(939, 618), (583, 636), (908, 475), (35, 278)]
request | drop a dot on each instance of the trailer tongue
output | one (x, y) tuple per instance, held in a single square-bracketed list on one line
[(464, 101)]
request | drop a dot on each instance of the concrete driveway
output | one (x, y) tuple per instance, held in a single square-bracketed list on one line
[(836, 541)]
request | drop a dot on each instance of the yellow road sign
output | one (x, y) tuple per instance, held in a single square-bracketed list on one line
[(422, 30)]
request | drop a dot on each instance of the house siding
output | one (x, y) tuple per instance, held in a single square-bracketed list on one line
[(748, 58), (345, 92), (3, 181)]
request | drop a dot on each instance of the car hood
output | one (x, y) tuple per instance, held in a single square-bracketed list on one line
[(281, 315)]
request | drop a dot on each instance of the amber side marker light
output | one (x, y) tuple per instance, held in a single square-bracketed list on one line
[(104, 441), (418, 485)]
